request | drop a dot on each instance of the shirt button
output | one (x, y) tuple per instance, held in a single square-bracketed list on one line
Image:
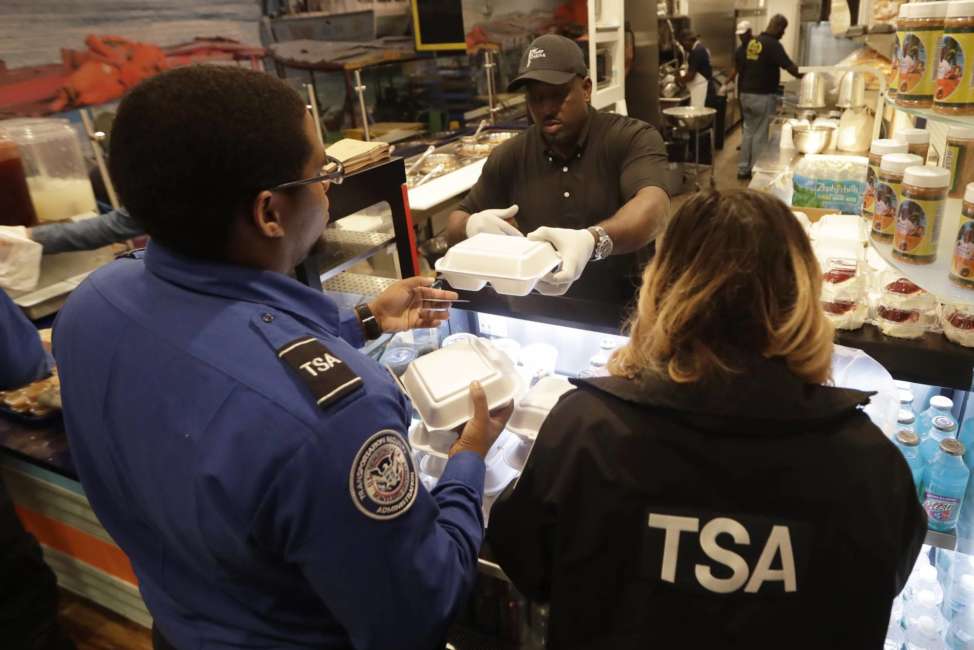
[(567, 194), (267, 318), (564, 169)]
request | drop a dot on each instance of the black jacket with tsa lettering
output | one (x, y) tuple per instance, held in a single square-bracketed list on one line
[(758, 513)]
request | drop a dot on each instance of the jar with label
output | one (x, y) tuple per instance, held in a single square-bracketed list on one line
[(877, 150), (959, 158), (922, 28), (16, 208), (894, 80), (954, 92), (920, 213), (888, 192), (962, 262), (917, 140)]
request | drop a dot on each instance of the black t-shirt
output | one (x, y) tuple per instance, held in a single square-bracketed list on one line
[(764, 57), (616, 156), (739, 57), (699, 60)]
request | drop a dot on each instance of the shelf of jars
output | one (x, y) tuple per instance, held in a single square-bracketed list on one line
[(929, 114)]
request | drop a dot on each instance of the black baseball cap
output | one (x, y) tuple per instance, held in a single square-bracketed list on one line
[(550, 59)]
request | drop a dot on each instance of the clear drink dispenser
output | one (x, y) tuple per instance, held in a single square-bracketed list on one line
[(57, 176)]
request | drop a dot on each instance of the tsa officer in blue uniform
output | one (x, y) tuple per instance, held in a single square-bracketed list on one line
[(250, 462)]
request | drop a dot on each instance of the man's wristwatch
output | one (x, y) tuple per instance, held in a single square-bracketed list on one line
[(370, 326), (603, 243)]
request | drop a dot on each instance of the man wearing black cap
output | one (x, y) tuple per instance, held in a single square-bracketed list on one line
[(592, 184)]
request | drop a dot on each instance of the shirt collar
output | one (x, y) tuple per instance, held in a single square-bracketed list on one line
[(765, 390), (244, 284), (580, 143)]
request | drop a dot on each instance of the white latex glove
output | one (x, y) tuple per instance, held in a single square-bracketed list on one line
[(494, 222), (575, 249), (20, 259)]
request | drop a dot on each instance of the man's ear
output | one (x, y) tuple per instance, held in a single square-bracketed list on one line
[(266, 214), (587, 88)]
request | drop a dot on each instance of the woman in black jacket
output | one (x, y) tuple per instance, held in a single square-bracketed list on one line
[(715, 491)]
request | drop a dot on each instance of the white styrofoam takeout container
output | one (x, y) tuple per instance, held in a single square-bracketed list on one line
[(437, 441), (534, 407), (439, 383), (512, 265)]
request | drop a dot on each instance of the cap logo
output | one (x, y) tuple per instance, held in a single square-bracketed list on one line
[(535, 53)]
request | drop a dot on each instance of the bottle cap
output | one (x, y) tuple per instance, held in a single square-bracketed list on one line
[(907, 438), (905, 417), (969, 193), (944, 423), (960, 9), (926, 176), (952, 447), (905, 395), (929, 10), (967, 584), (959, 132), (914, 136), (941, 402), (886, 145), (906, 11), (898, 162)]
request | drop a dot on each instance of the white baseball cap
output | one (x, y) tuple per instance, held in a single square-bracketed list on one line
[(743, 27)]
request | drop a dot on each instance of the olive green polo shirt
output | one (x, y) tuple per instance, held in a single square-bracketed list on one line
[(615, 157)]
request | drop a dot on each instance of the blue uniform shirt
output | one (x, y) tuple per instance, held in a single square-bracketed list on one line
[(22, 358), (251, 514)]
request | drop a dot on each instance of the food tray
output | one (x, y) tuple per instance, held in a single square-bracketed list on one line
[(512, 265), (534, 407), (439, 383)]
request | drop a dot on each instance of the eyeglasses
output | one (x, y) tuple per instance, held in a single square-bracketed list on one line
[(332, 171)]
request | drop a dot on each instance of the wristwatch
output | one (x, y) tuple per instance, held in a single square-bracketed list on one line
[(370, 326), (603, 243)]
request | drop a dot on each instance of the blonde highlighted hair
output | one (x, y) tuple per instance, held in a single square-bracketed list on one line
[(734, 277)]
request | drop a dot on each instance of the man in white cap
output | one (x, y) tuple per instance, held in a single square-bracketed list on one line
[(744, 33), (592, 184)]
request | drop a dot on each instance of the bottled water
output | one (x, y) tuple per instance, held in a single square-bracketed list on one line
[(924, 603), (895, 636), (966, 436), (923, 579), (925, 634), (945, 483), (942, 427), (906, 399), (960, 633), (908, 444), (905, 420), (939, 405), (960, 596)]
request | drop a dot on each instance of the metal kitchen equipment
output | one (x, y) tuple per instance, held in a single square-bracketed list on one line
[(852, 90), (695, 120), (811, 92)]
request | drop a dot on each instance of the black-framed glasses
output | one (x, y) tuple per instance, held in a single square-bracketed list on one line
[(332, 171)]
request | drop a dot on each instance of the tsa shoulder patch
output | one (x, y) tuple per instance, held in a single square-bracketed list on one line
[(383, 482), (328, 377)]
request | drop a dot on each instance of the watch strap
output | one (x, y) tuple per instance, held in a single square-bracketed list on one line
[(603, 244), (370, 325)]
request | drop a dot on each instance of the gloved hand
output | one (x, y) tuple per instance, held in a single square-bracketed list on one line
[(575, 248), (493, 221)]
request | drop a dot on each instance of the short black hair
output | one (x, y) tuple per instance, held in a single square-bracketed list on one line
[(192, 147)]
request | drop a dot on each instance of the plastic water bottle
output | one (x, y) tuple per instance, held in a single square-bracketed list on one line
[(943, 428), (909, 445), (906, 399), (905, 420), (939, 405), (966, 436), (924, 603), (960, 633), (895, 636), (922, 579), (960, 596), (925, 634), (945, 483)]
